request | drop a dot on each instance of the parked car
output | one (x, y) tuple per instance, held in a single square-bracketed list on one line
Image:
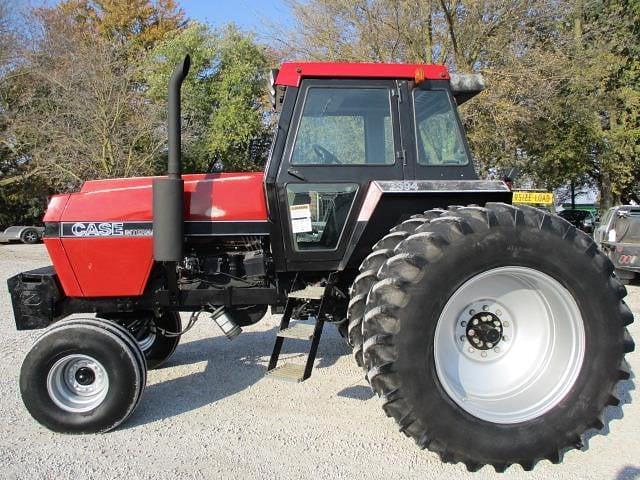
[(22, 233), (585, 220), (618, 235)]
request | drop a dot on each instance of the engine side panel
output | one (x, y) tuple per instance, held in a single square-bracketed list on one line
[(100, 240)]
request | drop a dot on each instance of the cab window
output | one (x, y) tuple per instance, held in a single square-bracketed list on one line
[(438, 136), (345, 126), (318, 213)]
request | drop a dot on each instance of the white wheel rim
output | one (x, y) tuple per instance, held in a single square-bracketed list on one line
[(524, 375), (77, 383)]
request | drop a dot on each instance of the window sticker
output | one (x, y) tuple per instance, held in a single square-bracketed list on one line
[(300, 218)]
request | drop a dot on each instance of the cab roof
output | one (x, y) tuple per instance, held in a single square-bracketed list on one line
[(291, 73)]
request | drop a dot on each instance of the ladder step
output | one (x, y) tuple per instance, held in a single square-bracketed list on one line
[(289, 372), (308, 293), (301, 331)]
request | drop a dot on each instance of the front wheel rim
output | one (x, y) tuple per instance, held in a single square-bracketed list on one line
[(77, 383), (523, 366)]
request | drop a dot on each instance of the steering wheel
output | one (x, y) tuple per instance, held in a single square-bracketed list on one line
[(325, 155)]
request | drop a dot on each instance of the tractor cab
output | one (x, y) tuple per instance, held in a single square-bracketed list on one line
[(343, 126)]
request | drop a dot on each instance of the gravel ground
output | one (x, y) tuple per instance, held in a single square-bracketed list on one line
[(210, 414)]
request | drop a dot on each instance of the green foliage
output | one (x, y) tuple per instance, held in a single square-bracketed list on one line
[(222, 108)]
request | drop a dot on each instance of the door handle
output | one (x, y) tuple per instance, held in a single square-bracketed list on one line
[(297, 174)]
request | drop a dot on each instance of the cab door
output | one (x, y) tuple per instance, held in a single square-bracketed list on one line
[(343, 135)]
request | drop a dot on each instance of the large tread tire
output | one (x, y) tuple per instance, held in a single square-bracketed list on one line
[(382, 251), (412, 287), (110, 345)]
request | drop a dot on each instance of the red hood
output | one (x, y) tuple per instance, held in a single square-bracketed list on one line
[(217, 196)]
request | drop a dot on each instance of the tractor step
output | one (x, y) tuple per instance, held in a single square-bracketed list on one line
[(305, 298), (300, 331), (308, 293), (288, 372)]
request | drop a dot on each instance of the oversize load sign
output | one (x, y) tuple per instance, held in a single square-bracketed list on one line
[(106, 229), (544, 198)]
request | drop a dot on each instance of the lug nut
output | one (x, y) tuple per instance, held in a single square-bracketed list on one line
[(480, 343), (489, 345), (496, 323), (472, 332), (475, 321), (475, 340)]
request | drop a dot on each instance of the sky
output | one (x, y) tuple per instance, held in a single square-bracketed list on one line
[(254, 15)]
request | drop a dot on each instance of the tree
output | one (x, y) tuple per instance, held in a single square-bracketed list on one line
[(223, 96), (78, 110), (124, 23)]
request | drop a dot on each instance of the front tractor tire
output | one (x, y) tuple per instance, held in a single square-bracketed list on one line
[(493, 335), (83, 376)]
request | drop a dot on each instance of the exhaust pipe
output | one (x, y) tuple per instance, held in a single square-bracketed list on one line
[(168, 192)]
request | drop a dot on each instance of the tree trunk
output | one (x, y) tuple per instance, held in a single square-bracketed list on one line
[(607, 198)]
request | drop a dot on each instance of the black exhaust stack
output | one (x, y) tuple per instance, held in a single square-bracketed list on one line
[(168, 193)]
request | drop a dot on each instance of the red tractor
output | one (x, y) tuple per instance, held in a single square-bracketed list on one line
[(493, 334)]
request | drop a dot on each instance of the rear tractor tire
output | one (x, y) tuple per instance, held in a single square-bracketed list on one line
[(148, 329), (493, 335), (83, 376)]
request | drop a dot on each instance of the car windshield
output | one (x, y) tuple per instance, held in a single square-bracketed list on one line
[(627, 228)]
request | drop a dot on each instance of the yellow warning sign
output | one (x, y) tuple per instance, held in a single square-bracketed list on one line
[(542, 198)]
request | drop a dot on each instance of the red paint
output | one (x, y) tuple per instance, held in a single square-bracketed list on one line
[(221, 196), (291, 73), (65, 272), (56, 206), (120, 266), (110, 267)]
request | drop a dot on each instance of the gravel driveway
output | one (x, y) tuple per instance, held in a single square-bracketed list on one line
[(210, 414)]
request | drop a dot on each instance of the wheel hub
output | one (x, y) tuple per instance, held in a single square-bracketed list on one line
[(484, 330), (77, 383), (85, 376)]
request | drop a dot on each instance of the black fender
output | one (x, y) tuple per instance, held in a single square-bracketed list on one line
[(387, 203)]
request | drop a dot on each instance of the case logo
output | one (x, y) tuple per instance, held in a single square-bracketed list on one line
[(106, 229)]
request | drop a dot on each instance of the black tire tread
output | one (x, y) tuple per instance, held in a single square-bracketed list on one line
[(426, 244)]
